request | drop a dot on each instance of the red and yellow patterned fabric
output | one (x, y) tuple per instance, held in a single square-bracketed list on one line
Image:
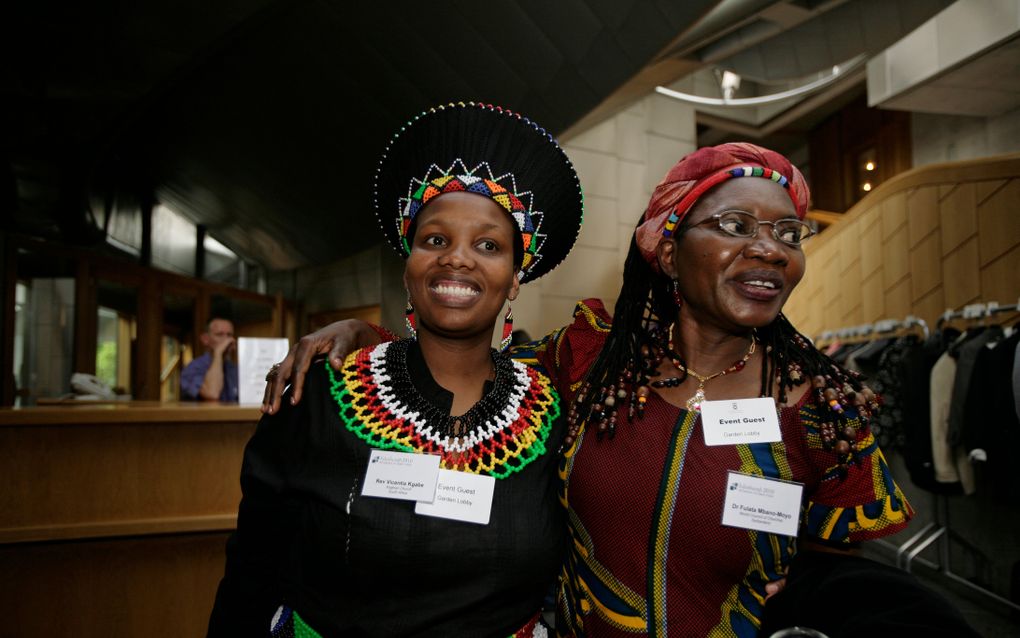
[(648, 555)]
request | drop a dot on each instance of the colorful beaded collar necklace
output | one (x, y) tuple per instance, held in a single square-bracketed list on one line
[(501, 434)]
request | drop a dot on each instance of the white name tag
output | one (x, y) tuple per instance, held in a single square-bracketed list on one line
[(740, 421), (763, 504), (461, 497), (399, 475)]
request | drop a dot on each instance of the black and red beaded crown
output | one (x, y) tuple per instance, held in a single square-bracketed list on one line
[(491, 151)]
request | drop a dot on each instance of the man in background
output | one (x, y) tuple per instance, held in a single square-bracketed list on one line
[(213, 376)]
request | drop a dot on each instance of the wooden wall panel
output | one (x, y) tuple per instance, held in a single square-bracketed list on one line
[(75, 477), (961, 276), (922, 212), (957, 216), (925, 266), (894, 214), (897, 301), (113, 519), (999, 278), (849, 252), (871, 249), (895, 257), (930, 306), (872, 298), (998, 218), (931, 239), (850, 297), (160, 587)]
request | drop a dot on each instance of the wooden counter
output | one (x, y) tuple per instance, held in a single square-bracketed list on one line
[(113, 517)]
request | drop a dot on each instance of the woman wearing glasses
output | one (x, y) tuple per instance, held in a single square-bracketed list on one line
[(708, 442)]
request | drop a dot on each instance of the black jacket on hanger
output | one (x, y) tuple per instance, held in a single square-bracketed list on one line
[(916, 389), (992, 424), (967, 352)]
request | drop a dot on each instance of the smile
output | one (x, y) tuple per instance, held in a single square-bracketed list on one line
[(452, 290)]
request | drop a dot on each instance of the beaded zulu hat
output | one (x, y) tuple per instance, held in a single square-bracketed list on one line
[(488, 150)]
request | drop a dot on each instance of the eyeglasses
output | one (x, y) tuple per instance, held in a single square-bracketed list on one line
[(737, 223)]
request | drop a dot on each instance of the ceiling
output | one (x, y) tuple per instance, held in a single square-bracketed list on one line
[(262, 120)]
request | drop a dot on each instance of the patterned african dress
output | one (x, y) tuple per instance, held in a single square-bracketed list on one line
[(313, 557), (649, 555)]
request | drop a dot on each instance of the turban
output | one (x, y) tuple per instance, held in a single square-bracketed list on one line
[(699, 171)]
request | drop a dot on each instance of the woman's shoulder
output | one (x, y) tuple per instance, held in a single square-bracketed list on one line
[(567, 353), (591, 315)]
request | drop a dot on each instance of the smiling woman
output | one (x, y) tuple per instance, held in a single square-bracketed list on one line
[(413, 491)]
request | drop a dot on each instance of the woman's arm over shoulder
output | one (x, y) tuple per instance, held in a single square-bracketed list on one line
[(566, 354), (337, 340)]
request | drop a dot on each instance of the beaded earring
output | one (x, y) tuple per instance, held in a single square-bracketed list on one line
[(508, 329), (677, 297), (409, 319)]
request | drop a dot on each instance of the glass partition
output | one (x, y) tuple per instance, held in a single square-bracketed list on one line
[(44, 327)]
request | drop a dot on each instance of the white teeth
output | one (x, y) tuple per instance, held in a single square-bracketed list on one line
[(456, 291), (760, 284)]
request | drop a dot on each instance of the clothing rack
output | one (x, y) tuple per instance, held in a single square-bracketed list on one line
[(868, 331), (977, 311), (939, 529)]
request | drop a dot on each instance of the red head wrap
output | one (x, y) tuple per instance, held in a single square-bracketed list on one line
[(699, 171)]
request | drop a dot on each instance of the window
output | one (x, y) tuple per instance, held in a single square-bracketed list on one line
[(173, 241)]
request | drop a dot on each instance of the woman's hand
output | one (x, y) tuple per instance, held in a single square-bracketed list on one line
[(338, 340), (773, 588)]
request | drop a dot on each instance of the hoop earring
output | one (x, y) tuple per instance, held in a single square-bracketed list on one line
[(508, 329), (409, 319)]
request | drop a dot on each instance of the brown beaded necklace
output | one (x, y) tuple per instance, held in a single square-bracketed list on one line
[(694, 403)]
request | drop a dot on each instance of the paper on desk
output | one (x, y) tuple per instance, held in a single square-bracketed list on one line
[(254, 358)]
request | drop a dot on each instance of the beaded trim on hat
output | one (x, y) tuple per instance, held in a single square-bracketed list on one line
[(507, 431), (740, 171), (481, 180)]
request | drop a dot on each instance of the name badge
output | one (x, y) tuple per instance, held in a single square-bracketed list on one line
[(763, 504), (462, 497), (399, 475), (740, 421)]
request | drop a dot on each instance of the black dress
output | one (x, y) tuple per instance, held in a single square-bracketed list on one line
[(358, 566)]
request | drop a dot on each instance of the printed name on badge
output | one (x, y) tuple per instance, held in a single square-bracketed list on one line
[(763, 504), (462, 497), (740, 421), (400, 475)]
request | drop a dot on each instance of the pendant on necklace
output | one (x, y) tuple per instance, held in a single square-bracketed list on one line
[(694, 403)]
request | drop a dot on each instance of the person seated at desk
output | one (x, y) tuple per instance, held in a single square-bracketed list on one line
[(213, 376)]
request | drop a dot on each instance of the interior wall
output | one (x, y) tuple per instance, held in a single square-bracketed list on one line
[(619, 161), (949, 138), (350, 282)]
